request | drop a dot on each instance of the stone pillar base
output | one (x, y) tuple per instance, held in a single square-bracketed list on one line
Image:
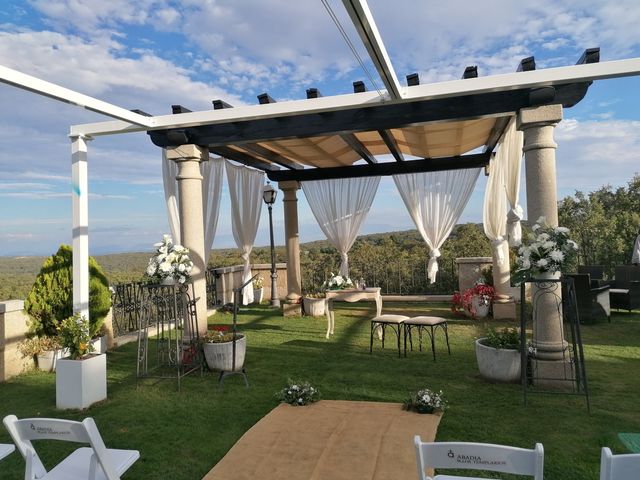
[(504, 311), (553, 374), (291, 310)]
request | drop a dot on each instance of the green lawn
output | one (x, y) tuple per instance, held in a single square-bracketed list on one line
[(181, 435)]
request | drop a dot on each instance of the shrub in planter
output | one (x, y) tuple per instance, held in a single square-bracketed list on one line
[(51, 298), (74, 336), (44, 350), (498, 355)]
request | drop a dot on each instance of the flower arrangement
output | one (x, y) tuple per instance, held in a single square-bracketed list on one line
[(469, 301), (170, 261), (337, 282), (548, 250), (258, 283), (426, 401), (298, 393), (74, 336)]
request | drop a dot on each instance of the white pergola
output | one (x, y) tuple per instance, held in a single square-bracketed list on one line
[(322, 137)]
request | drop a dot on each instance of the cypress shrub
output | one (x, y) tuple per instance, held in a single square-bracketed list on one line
[(51, 298)]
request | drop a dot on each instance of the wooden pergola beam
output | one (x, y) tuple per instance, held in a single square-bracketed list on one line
[(476, 160), (243, 158)]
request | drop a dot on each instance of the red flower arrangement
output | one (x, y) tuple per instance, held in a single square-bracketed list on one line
[(463, 303)]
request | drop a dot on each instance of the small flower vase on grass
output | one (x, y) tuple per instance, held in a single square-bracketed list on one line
[(298, 394), (426, 401)]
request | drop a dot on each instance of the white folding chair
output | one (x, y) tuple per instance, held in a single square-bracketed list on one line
[(477, 456), (87, 463), (6, 449), (619, 467)]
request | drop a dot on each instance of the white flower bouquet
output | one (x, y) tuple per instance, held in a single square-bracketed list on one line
[(426, 401), (548, 250), (170, 261), (337, 282), (298, 393)]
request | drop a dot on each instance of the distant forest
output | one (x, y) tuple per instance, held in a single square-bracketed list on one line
[(604, 223)]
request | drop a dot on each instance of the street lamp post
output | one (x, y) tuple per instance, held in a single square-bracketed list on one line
[(269, 196)]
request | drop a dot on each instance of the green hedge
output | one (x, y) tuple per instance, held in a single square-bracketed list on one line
[(51, 298)]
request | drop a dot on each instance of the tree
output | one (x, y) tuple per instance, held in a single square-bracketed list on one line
[(51, 298)]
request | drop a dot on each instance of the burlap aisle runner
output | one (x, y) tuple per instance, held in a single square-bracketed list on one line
[(332, 439)]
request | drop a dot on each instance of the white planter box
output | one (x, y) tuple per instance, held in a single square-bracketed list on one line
[(47, 360), (219, 356), (313, 306), (258, 294), (498, 364), (81, 383), (99, 345)]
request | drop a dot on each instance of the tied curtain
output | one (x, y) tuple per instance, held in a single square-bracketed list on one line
[(245, 189), (340, 206), (435, 201), (510, 153), (212, 172), (495, 208)]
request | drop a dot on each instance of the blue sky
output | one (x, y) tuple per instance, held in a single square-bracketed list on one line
[(150, 54)]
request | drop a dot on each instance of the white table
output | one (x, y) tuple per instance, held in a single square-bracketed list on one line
[(350, 296)]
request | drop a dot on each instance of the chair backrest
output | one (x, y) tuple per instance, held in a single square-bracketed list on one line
[(6, 449), (479, 456), (596, 271), (626, 274), (619, 467), (28, 429)]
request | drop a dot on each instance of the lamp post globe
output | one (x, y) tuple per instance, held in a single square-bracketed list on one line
[(269, 196)]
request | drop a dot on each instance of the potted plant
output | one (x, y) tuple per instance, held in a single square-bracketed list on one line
[(498, 355), (46, 351), (313, 304), (99, 339), (474, 302), (258, 289), (426, 401), (217, 345), (81, 378), (170, 264)]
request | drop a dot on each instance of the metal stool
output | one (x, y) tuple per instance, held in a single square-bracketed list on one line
[(430, 324), (381, 323)]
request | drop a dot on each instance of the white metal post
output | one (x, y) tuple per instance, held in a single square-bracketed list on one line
[(80, 213)]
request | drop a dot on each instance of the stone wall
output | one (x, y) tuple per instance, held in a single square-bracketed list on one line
[(13, 327), (231, 277), (470, 270)]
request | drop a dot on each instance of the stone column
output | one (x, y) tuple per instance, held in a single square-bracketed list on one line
[(188, 158), (14, 325), (537, 124), (292, 242)]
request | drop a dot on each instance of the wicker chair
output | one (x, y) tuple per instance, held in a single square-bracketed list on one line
[(593, 303), (625, 288)]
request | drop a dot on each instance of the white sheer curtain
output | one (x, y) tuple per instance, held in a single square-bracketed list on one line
[(495, 208), (510, 152), (340, 206), (245, 189), (435, 201), (212, 172)]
